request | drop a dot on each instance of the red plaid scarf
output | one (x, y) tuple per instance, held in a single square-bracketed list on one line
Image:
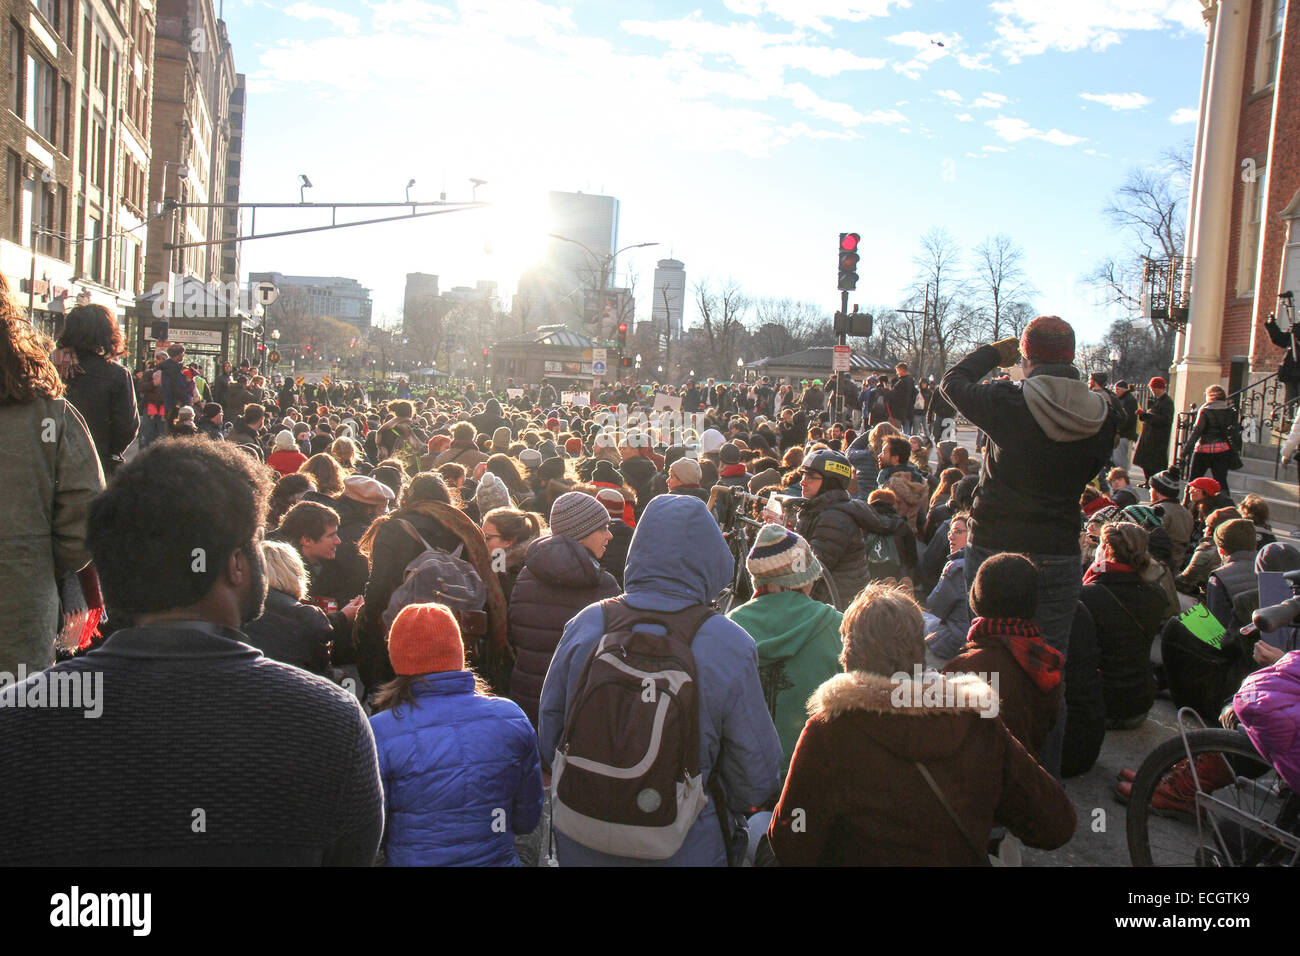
[(1042, 662)]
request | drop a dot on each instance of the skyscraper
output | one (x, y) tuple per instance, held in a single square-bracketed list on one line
[(669, 297)]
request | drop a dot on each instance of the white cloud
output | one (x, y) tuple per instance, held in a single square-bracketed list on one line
[(952, 96), (926, 50), (996, 149), (309, 11), (990, 101), (1013, 130), (528, 72), (814, 13), (977, 61), (762, 55), (1032, 27), (1185, 115), (963, 117), (1118, 101)]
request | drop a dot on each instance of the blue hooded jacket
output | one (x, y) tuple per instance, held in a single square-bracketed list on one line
[(461, 775), (678, 559)]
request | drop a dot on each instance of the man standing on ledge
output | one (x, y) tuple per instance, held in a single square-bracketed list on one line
[(1048, 436)]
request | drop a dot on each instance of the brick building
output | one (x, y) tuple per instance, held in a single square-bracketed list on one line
[(1243, 234), (75, 131), (197, 148)]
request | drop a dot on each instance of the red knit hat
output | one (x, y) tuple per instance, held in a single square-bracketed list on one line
[(1048, 340), (1207, 485), (573, 446), (1158, 382), (425, 639)]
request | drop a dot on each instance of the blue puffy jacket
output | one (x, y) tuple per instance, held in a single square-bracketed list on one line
[(865, 464), (461, 775), (677, 559)]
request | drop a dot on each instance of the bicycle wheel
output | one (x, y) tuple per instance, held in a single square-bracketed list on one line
[(1248, 816)]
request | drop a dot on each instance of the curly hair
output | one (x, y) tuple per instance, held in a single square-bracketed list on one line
[(91, 328), (170, 519), (1127, 543), (26, 372)]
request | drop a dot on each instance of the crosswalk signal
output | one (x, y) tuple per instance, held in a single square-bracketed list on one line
[(848, 255)]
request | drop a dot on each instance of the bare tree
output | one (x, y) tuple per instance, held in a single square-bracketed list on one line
[(938, 265), (1000, 282), (722, 315), (1150, 211), (785, 326)]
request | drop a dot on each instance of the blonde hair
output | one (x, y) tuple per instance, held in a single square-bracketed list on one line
[(284, 569), (345, 452), (878, 435), (883, 631)]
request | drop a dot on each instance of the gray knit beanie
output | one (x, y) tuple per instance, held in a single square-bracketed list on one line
[(491, 493), (576, 515)]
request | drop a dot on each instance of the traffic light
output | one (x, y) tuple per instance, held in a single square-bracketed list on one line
[(486, 352), (622, 336), (848, 255), (625, 362)]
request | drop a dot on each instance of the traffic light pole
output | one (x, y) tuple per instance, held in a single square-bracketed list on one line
[(839, 376)]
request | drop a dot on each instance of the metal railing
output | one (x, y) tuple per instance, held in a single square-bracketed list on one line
[(1265, 414)]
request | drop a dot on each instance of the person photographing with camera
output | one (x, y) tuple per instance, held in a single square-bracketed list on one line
[(1048, 436)]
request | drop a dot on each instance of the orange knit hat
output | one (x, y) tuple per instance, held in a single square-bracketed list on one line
[(425, 639)]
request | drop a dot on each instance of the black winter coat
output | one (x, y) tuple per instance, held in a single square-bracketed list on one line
[(1028, 495), (104, 393), (292, 632), (1152, 454), (834, 526), (559, 579), (1215, 422), (1129, 405), (393, 549), (1127, 620), (1085, 707), (902, 398), (615, 558)]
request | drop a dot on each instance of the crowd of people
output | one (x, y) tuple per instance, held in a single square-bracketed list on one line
[(480, 628)]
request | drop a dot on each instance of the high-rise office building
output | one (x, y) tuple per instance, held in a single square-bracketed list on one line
[(669, 297)]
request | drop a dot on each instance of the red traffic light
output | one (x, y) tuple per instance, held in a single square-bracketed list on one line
[(485, 353), (849, 241), (622, 327)]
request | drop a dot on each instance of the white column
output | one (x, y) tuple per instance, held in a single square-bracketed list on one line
[(1194, 186), (1200, 365)]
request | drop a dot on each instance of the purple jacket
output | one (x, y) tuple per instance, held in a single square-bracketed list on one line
[(1268, 705)]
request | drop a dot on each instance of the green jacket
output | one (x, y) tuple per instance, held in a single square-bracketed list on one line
[(798, 650), (50, 471)]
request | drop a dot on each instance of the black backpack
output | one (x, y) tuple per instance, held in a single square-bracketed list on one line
[(626, 778)]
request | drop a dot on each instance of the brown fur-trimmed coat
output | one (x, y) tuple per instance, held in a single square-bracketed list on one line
[(853, 796)]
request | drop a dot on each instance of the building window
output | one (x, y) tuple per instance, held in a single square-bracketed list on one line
[(42, 97), (1252, 217), (95, 243), (17, 57), (64, 235), (14, 195), (1273, 19), (50, 11)]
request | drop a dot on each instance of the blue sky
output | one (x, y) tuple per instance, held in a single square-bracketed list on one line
[(741, 135)]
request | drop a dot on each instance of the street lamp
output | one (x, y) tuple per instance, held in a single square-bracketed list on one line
[(408, 190), (305, 184), (1114, 365), (604, 261)]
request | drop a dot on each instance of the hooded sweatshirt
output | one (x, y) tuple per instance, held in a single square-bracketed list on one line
[(678, 558), (798, 650), (1048, 437)]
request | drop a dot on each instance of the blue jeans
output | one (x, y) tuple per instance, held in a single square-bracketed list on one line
[(1059, 582), (152, 427)]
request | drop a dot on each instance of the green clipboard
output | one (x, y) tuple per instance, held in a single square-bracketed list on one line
[(1204, 625)]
